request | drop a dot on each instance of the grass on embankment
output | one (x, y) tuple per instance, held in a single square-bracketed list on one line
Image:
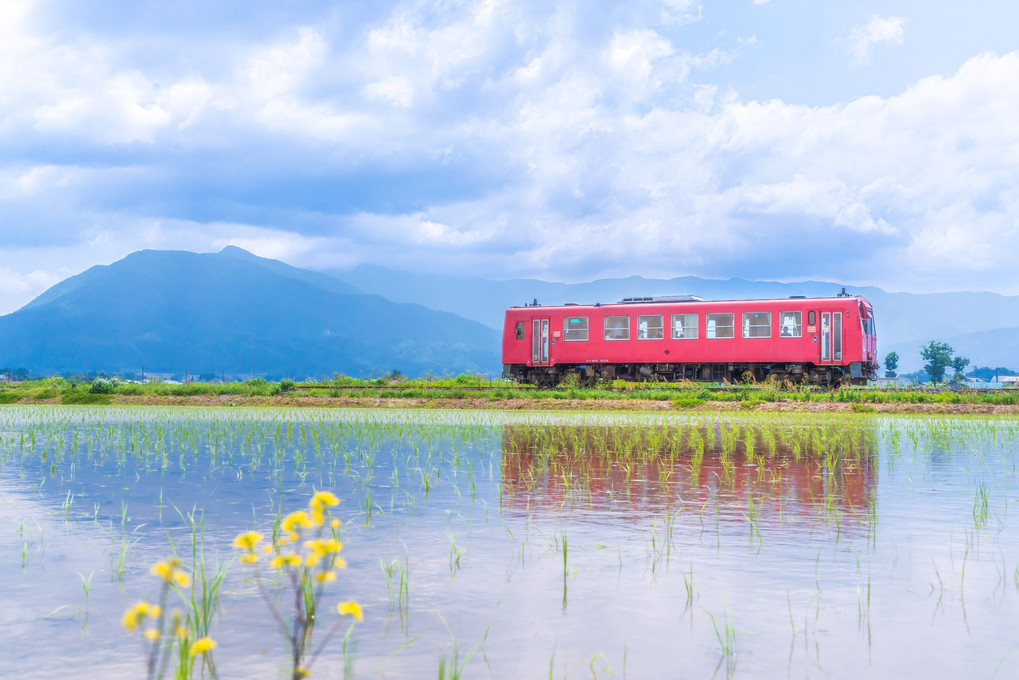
[(478, 392)]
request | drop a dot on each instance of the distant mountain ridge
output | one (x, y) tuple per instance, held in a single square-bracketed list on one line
[(975, 324), (238, 314), (235, 313)]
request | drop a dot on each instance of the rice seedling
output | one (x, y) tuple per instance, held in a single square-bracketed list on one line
[(86, 585)]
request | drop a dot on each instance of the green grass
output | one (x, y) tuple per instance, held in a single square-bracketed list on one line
[(683, 395)]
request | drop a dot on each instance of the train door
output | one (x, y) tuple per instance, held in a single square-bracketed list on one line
[(831, 338), (539, 342)]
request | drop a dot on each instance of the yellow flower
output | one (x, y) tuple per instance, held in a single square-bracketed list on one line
[(335, 524), (323, 498), (163, 570), (152, 634), (135, 614), (201, 646), (250, 558), (286, 560), (155, 610), (339, 563), (326, 577), (352, 608), (181, 632), (171, 571), (296, 519), (324, 546), (248, 540), (302, 672)]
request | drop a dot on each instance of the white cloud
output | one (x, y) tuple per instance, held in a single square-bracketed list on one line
[(681, 11), (877, 30), (506, 138), (17, 288)]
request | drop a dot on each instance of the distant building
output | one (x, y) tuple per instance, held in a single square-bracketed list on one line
[(891, 382), (1009, 380)]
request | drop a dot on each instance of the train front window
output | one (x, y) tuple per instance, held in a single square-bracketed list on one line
[(684, 326), (650, 327), (617, 328), (718, 325), (575, 328), (792, 325), (520, 330), (757, 324)]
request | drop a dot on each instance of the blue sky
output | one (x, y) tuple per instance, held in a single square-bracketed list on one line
[(858, 142)]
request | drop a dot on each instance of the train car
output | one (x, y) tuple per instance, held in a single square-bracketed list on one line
[(825, 341)]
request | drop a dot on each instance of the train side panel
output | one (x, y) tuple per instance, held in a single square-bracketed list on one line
[(823, 337)]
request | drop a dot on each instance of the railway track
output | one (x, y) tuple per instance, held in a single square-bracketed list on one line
[(665, 387)]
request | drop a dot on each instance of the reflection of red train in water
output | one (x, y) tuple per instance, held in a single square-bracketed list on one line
[(573, 473), (819, 340)]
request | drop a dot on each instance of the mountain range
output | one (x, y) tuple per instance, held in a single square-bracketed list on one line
[(235, 314), (232, 313), (981, 326)]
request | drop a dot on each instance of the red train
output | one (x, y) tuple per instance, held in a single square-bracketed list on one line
[(826, 341)]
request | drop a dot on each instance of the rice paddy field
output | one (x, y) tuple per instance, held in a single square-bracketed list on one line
[(505, 545)]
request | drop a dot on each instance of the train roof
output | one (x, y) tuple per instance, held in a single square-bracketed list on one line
[(693, 299)]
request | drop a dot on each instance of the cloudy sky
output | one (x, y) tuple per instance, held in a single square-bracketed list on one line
[(860, 142)]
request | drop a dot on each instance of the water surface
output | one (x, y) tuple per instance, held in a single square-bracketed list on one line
[(531, 545)]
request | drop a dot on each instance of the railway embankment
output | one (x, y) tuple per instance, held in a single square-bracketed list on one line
[(638, 398)]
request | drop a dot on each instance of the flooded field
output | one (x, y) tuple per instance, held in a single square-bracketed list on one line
[(513, 545)]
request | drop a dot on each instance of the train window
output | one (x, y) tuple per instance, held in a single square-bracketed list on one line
[(520, 330), (651, 327), (617, 328), (756, 324), (791, 326), (718, 325), (811, 318), (684, 326), (575, 328)]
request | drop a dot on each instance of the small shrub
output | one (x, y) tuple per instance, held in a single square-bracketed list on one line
[(103, 386), (82, 397), (8, 396), (288, 385), (861, 408)]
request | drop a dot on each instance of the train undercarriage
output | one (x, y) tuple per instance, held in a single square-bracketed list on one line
[(856, 373)]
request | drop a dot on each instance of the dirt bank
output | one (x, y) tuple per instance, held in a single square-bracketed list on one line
[(636, 405)]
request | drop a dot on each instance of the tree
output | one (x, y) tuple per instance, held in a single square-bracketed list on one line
[(938, 355), (959, 364), (891, 363)]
